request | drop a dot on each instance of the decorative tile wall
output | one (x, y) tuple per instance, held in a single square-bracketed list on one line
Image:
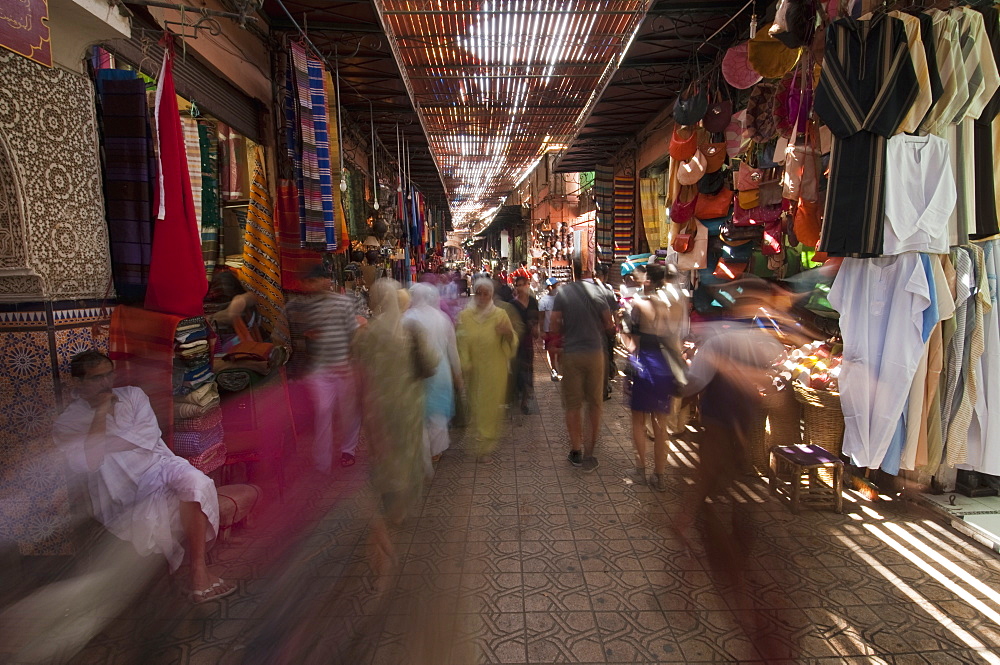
[(38, 340)]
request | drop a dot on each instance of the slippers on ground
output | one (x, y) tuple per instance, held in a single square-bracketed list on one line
[(347, 460), (220, 589)]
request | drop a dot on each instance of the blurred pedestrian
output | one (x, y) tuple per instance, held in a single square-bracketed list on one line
[(582, 315), (653, 328), (551, 342), (329, 321), (439, 406), (395, 357), (486, 344), (524, 362)]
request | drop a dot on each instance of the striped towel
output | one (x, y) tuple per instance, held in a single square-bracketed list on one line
[(261, 272), (339, 210), (624, 216), (604, 197), (192, 146), (208, 140), (310, 198)]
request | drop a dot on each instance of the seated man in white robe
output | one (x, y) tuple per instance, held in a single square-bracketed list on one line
[(140, 491)]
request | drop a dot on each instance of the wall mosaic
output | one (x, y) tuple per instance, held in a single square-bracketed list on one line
[(51, 203), (38, 341)]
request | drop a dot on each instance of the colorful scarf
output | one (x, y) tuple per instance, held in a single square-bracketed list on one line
[(261, 270)]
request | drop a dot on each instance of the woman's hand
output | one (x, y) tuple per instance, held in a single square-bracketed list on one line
[(504, 328)]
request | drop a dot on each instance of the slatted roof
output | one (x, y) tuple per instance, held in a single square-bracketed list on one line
[(498, 83), (481, 88)]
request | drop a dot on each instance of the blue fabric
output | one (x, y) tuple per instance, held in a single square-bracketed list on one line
[(894, 455)]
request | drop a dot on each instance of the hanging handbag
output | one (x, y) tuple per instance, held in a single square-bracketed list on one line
[(756, 216), (719, 112), (774, 237), (683, 143), (728, 269), (732, 234), (748, 177), (683, 242), (715, 205), (808, 222), (715, 156), (802, 169), (691, 105), (794, 100), (761, 125)]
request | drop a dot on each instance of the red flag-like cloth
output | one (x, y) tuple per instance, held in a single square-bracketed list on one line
[(177, 283)]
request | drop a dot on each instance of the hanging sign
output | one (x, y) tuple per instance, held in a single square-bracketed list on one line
[(24, 29)]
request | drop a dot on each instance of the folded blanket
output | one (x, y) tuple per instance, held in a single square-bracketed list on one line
[(187, 410), (189, 444), (211, 459), (201, 396)]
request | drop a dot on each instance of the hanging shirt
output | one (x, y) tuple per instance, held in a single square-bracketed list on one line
[(867, 88), (983, 139), (984, 431), (919, 195), (930, 51), (951, 68), (881, 304), (918, 57)]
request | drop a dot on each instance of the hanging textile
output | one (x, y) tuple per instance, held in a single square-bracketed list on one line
[(317, 90), (177, 283), (985, 194), (210, 212), (867, 87), (624, 216), (339, 211), (229, 163), (654, 214), (192, 148), (604, 196), (127, 143), (261, 271), (881, 304), (984, 432)]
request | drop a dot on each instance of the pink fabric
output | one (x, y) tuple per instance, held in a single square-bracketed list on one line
[(177, 282)]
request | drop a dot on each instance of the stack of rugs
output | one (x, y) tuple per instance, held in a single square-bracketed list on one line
[(198, 432)]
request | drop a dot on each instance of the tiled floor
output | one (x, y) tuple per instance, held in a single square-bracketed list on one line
[(528, 560)]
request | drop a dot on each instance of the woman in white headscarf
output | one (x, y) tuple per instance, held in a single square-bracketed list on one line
[(486, 344), (395, 357), (439, 397)]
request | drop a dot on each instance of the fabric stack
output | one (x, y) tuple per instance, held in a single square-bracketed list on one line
[(198, 433)]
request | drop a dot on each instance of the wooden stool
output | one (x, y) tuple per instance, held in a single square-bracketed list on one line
[(805, 459)]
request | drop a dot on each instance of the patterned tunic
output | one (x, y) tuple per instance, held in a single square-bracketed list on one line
[(868, 87)]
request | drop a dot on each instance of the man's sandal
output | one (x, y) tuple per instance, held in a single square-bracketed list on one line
[(346, 460), (220, 589)]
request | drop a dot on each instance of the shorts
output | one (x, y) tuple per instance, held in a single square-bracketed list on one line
[(583, 378), (552, 341)]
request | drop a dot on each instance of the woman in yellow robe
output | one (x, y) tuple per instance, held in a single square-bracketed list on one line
[(486, 344)]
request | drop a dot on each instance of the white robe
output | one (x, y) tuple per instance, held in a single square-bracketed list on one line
[(920, 195), (881, 304), (136, 492)]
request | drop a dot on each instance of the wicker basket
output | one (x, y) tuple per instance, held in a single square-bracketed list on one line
[(778, 424), (823, 418)]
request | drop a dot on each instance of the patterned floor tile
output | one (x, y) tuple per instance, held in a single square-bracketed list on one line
[(563, 637), (637, 637), (552, 592)]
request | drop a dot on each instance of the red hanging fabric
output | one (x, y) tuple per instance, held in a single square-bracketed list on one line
[(177, 282)]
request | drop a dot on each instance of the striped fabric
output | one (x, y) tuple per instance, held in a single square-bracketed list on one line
[(339, 212), (317, 91), (229, 164), (261, 271), (951, 69), (210, 211), (654, 213), (957, 447), (310, 200), (192, 146), (846, 101), (624, 216), (604, 197)]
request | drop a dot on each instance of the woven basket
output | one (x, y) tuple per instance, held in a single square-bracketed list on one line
[(778, 424), (822, 417)]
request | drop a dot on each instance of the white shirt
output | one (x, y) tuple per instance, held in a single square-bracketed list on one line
[(920, 195), (545, 306), (136, 492), (881, 304)]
